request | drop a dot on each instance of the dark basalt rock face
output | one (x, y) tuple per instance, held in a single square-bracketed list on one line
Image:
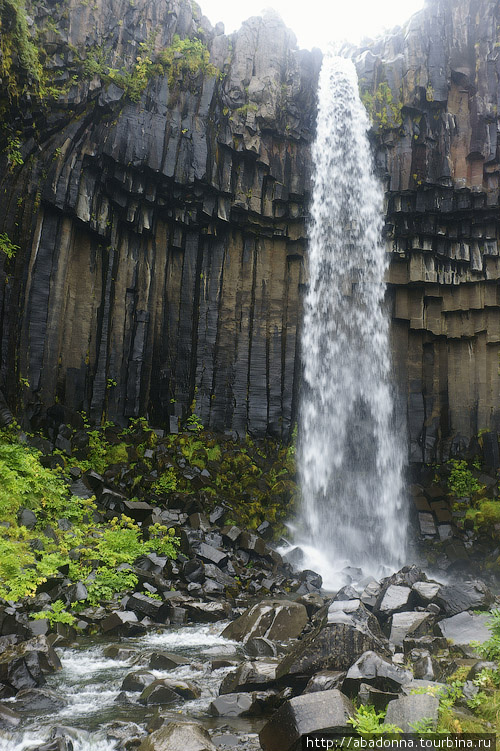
[(432, 88), (162, 240)]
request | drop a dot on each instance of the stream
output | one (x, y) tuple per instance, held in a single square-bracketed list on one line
[(91, 683)]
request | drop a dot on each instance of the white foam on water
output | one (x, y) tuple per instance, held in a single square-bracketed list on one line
[(189, 638), (28, 741)]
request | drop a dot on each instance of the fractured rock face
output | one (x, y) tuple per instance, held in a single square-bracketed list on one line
[(276, 620), (325, 710), (336, 643)]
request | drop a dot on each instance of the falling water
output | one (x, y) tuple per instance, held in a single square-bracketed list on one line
[(350, 457)]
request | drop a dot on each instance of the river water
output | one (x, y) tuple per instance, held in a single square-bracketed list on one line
[(90, 682)]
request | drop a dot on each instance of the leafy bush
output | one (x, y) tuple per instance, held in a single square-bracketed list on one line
[(461, 482), (56, 614), (367, 721)]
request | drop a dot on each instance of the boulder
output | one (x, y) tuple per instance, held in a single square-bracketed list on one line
[(168, 690), (207, 612), (249, 676), (409, 623), (23, 666), (123, 623), (166, 661), (375, 670), (8, 718), (143, 605), (259, 646), (375, 697), (345, 631), (38, 700), (463, 628), (433, 644), (392, 599), (231, 705), (178, 736), (138, 680), (158, 693), (325, 681), (309, 713), (457, 598), (410, 710), (273, 619)]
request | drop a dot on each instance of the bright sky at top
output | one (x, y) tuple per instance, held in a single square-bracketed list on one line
[(317, 22)]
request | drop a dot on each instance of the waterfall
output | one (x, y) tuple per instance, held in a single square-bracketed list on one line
[(350, 456)]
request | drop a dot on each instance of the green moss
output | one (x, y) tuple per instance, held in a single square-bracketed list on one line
[(384, 112)]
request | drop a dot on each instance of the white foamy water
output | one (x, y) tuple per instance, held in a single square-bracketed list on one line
[(350, 457), (90, 683), (28, 741), (200, 637)]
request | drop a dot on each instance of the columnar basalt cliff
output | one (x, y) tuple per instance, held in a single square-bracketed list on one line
[(432, 89), (161, 214), (161, 238)]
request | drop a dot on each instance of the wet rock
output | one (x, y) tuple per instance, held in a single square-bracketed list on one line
[(325, 680), (370, 593), (194, 571), (209, 554), (464, 628), (158, 693), (179, 736), (117, 652), (259, 646), (406, 624), (433, 644), (166, 661), (8, 718), (248, 677), (273, 619), (424, 667), (392, 599), (312, 602), (38, 700), (375, 697), (142, 605), (456, 598), (310, 713), (207, 612), (138, 680), (124, 623), (23, 666), (231, 705), (345, 632), (426, 591), (409, 710), (375, 670), (27, 518)]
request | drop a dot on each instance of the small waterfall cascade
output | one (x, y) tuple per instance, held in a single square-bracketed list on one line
[(350, 455)]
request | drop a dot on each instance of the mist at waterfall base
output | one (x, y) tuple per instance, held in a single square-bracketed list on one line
[(350, 457)]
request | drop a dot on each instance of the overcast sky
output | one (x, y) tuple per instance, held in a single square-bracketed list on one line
[(316, 22)]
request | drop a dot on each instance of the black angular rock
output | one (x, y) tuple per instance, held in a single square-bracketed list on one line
[(345, 632), (310, 713), (137, 680), (470, 595), (375, 670), (276, 620)]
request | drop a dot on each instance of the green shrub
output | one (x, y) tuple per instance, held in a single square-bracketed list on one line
[(367, 721), (461, 482)]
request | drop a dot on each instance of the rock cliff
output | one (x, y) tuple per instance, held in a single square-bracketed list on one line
[(159, 199), (432, 89), (160, 212)]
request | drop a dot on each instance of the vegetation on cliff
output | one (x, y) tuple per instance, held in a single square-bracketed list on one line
[(47, 530)]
